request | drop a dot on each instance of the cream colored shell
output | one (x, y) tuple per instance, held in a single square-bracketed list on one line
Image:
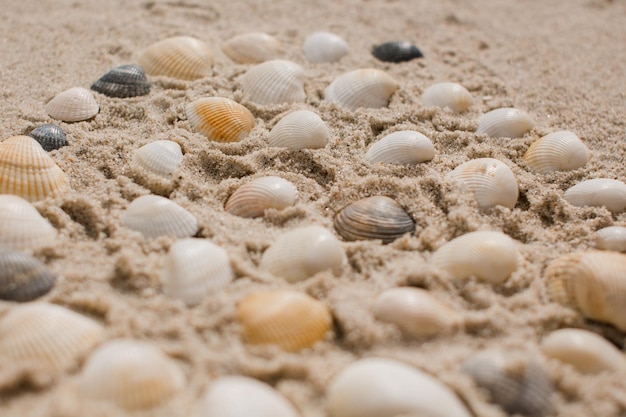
[(220, 119), (252, 48), (260, 194), (21, 226), (274, 82), (324, 47), (154, 165), (505, 122), (598, 192), (611, 238), (558, 151), (446, 94), (405, 147), (369, 88), (300, 129), (181, 57), (73, 105), (155, 216)]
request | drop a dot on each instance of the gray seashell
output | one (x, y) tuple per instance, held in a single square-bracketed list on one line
[(505, 122), (406, 147), (252, 48), (154, 165), (49, 136), (155, 216), (23, 277), (369, 88), (300, 129), (274, 82), (73, 105), (558, 151), (611, 238), (598, 192), (324, 47), (21, 226), (181, 57), (253, 198), (122, 82), (446, 94), (396, 51)]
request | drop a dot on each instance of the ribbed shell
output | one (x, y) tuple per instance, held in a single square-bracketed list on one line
[(252, 48), (300, 129), (73, 105), (181, 57), (21, 226), (155, 216), (558, 151), (369, 88), (611, 238), (157, 160), (396, 51), (23, 277), (324, 47), (220, 119), (446, 94), (49, 136), (406, 147), (122, 82), (274, 82), (505, 122), (253, 198), (598, 192)]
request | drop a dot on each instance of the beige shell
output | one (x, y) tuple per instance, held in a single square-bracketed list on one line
[(489, 256), (21, 226), (406, 147), (598, 192), (303, 252), (26, 170), (181, 57), (324, 47), (289, 319), (611, 238), (300, 129), (274, 82), (369, 88), (155, 216), (220, 119), (73, 105), (558, 151), (505, 122), (446, 94), (491, 181), (256, 196), (252, 48), (380, 387), (154, 164)]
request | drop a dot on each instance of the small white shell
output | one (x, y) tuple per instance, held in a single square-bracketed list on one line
[(370, 88), (252, 48), (274, 82), (598, 192), (611, 238), (73, 105), (253, 198), (301, 129), (21, 225), (155, 163), (451, 95), (406, 147), (324, 47), (155, 216), (505, 122), (558, 151)]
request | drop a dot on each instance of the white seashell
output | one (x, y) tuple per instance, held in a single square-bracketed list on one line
[(252, 48), (303, 252), (324, 47), (155, 216), (505, 122), (489, 256), (598, 192), (370, 88), (405, 147), (301, 129), (611, 238), (558, 151), (195, 268), (451, 95), (155, 163), (73, 105), (253, 198), (377, 387), (274, 82), (21, 225)]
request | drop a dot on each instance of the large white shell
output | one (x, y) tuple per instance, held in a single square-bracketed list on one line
[(370, 88), (73, 105), (300, 129), (558, 151), (253, 198), (611, 238), (252, 48), (21, 226), (324, 47), (598, 192), (505, 122), (406, 147), (274, 82), (155, 216), (155, 163), (451, 95)]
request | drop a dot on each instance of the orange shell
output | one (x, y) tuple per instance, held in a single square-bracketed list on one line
[(220, 119)]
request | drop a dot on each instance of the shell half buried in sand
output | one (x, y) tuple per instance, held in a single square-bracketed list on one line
[(154, 165), (598, 192), (73, 105), (558, 151), (220, 119), (49, 136), (505, 122), (23, 277), (181, 57), (368, 88), (300, 129), (274, 82), (406, 147), (154, 216), (260, 194), (22, 228), (451, 95), (611, 238), (123, 82)]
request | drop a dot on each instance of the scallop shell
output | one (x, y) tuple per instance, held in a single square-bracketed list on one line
[(131, 374), (155, 216), (489, 256), (303, 252), (274, 82), (376, 217), (195, 268), (220, 119), (558, 151), (253, 198), (301, 129), (324, 47), (377, 387), (122, 82), (181, 57), (289, 319), (611, 238), (505, 122), (401, 51), (252, 48), (154, 164), (49, 136), (451, 95), (23, 277), (598, 192), (73, 105), (491, 181), (370, 88), (21, 225), (406, 147)]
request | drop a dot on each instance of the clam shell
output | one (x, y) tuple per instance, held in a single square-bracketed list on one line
[(122, 82), (23, 277), (73, 105), (252, 48), (300, 129), (220, 119), (289, 319), (611, 238), (154, 164), (396, 51), (377, 387), (49, 136), (446, 94), (181, 57), (21, 225), (598, 192), (303, 252), (253, 198), (558, 151), (370, 88), (274, 82), (489, 256), (406, 147), (155, 216), (376, 217), (491, 181), (505, 122), (324, 47)]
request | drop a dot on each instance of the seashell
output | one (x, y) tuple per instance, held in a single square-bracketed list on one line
[(195, 268), (154, 216), (122, 82), (505, 122), (591, 282), (611, 238), (252, 48), (370, 88), (73, 105), (301, 129), (489, 256), (23, 277), (303, 252), (130, 374), (290, 319), (416, 312), (378, 387), (274, 82), (396, 51), (405, 147), (324, 47), (155, 163), (47, 335), (49, 136), (586, 351), (558, 151), (598, 192), (491, 181), (220, 119), (376, 217), (21, 225), (253, 198), (26, 170), (181, 57), (451, 95)]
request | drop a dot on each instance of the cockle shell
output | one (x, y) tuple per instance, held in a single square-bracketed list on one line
[(396, 51), (489, 256), (491, 181), (611, 238), (252, 48), (49, 136), (21, 226), (406, 147), (446, 94), (23, 277), (289, 319), (303, 252), (220, 119), (378, 387), (155, 216), (505, 122), (253, 198), (370, 88), (122, 82), (598, 192), (154, 165), (274, 82), (324, 47), (181, 57), (300, 129), (73, 105), (558, 151)]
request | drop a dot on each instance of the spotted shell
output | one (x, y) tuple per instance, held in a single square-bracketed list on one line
[(290, 319), (122, 82), (611, 238), (558, 151), (49, 136), (446, 94), (21, 226), (396, 51), (300, 129), (155, 216), (153, 165), (505, 122), (406, 147), (324, 47), (252, 48), (598, 192), (220, 119), (253, 198), (370, 88), (181, 57), (23, 277), (274, 82), (73, 105)]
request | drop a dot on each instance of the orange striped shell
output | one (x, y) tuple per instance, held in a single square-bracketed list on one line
[(220, 119)]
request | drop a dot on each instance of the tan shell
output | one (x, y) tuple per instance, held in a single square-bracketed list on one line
[(505, 122), (405, 147), (256, 196), (154, 165), (324, 47), (252, 48), (369, 88), (598, 192), (220, 119), (301, 129), (73, 105), (446, 94), (611, 238), (21, 226), (155, 216), (181, 57), (274, 82), (558, 151)]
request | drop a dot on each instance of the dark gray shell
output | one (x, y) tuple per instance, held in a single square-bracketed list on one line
[(23, 277), (122, 82), (396, 52), (49, 136)]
